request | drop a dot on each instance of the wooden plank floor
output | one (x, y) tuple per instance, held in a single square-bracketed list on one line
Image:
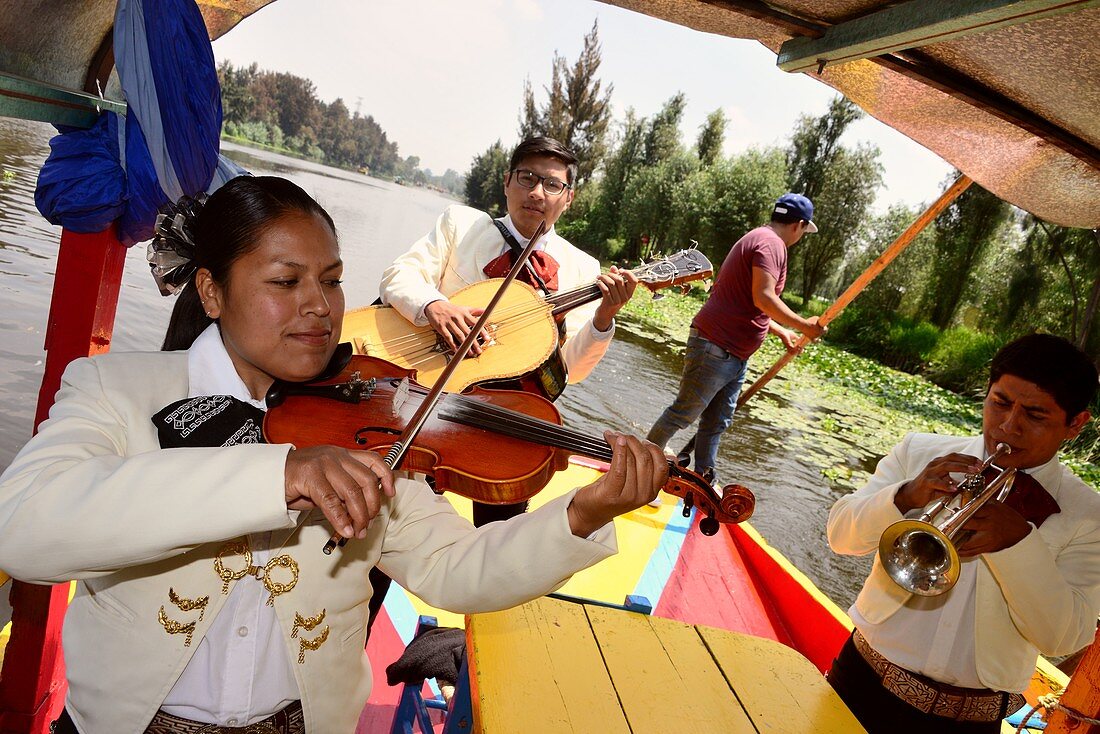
[(587, 669)]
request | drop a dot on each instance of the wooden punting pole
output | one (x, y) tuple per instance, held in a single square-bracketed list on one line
[(857, 286), (82, 318)]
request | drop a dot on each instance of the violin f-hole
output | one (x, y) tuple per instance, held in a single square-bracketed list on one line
[(361, 433)]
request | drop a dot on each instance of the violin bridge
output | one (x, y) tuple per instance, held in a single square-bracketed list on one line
[(400, 397)]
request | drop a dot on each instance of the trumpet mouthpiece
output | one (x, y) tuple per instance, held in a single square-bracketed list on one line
[(1003, 448)]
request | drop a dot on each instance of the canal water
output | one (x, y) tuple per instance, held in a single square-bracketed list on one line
[(773, 450)]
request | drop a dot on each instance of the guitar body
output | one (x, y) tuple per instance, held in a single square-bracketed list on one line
[(525, 337), (549, 379)]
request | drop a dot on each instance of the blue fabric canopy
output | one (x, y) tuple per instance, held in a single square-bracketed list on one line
[(125, 168)]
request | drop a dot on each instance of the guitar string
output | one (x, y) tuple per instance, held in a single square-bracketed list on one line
[(559, 302)]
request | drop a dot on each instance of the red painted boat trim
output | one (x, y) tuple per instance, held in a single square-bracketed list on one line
[(82, 317)]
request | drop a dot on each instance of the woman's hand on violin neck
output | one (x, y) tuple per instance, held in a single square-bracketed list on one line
[(347, 486), (638, 471), (453, 322)]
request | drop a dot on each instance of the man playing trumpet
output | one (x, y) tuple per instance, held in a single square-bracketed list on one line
[(1029, 580)]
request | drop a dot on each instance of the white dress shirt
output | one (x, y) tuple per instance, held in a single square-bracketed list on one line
[(933, 635), (551, 246), (240, 672)]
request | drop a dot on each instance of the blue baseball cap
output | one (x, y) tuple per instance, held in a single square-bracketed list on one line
[(796, 206)]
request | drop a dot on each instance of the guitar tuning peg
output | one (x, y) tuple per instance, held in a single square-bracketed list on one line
[(658, 296)]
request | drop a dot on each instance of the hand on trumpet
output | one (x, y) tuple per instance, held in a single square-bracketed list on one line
[(994, 527), (935, 481)]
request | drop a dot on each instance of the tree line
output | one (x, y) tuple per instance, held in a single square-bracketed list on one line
[(983, 273), (282, 111)]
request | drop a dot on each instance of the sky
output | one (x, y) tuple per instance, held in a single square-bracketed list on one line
[(445, 79)]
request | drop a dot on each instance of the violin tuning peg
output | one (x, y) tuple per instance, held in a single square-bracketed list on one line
[(658, 296), (689, 502), (684, 288), (706, 283), (708, 526)]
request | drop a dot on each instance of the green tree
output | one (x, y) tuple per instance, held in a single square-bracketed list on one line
[(963, 234), (712, 134), (296, 103), (662, 138), (733, 197), (485, 181), (622, 164), (843, 199), (650, 202), (815, 143), (576, 112)]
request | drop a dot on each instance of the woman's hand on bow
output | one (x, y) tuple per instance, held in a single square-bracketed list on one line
[(347, 486)]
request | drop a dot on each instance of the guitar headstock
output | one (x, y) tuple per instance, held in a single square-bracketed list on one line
[(682, 267)]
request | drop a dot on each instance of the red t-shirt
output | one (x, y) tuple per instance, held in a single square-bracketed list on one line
[(729, 318)]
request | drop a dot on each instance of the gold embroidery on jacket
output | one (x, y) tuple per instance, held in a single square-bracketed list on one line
[(189, 605), (173, 627), (316, 642), (306, 623), (276, 588), (226, 574)]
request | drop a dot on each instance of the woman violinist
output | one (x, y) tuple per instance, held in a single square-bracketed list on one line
[(203, 597)]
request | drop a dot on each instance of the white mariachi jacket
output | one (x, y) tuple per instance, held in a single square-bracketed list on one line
[(1041, 595), (156, 539), (454, 254)]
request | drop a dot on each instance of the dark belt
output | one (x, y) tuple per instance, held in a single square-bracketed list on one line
[(940, 699), (289, 720)]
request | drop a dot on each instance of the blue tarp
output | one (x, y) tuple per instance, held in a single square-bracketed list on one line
[(170, 134)]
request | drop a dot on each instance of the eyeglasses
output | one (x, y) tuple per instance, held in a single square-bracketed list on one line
[(530, 179)]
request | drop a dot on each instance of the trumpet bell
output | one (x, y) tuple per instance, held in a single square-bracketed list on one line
[(919, 557)]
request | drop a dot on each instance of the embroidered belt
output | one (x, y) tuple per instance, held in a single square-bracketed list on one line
[(290, 720), (933, 697)]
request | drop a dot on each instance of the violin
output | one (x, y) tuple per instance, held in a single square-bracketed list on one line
[(493, 446)]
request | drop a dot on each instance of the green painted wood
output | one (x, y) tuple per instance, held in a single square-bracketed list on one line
[(32, 100), (913, 24)]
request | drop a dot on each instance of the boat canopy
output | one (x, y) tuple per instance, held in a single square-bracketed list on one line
[(1007, 91)]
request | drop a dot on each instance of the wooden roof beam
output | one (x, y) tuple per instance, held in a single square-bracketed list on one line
[(34, 100), (914, 24)]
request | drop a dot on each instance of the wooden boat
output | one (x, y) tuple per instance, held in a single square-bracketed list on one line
[(967, 80)]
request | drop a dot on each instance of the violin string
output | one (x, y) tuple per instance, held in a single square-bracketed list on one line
[(503, 421), (490, 417), (493, 417)]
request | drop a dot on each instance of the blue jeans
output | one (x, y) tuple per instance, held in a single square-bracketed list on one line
[(709, 387)]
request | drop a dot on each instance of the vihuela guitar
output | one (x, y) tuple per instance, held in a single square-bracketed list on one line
[(524, 335)]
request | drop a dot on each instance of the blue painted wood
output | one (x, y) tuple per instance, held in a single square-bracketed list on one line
[(460, 719), (412, 709)]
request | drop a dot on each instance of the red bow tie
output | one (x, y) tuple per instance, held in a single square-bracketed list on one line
[(543, 264), (1028, 497)]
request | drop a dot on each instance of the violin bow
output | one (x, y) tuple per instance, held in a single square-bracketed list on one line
[(401, 446)]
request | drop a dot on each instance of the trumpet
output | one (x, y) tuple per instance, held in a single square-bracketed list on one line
[(921, 555)]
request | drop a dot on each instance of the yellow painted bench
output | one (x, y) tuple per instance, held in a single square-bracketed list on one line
[(556, 666)]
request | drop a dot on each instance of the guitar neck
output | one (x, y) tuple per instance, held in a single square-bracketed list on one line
[(568, 300)]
